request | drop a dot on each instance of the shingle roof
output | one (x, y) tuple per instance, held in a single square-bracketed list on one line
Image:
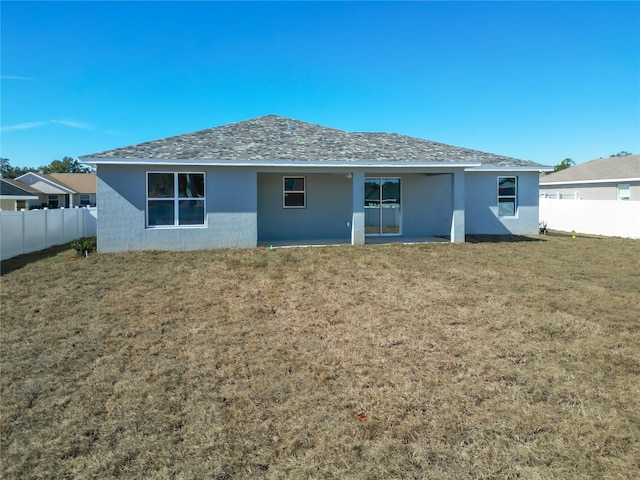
[(275, 138), (8, 186), (78, 182), (617, 168)]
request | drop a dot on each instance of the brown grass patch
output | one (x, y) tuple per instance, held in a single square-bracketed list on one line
[(485, 360)]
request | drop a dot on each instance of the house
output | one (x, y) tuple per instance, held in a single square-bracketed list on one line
[(15, 195), (57, 190), (600, 197), (274, 180), (613, 178)]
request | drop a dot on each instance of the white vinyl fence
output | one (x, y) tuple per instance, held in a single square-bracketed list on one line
[(33, 230), (612, 218)]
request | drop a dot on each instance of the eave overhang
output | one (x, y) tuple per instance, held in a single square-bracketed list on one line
[(346, 165)]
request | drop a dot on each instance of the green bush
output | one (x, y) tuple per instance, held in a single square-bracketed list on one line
[(84, 245)]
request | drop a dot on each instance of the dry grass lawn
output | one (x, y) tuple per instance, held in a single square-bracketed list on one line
[(440, 361)]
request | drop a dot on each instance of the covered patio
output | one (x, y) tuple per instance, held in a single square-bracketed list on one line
[(356, 206), (378, 240)]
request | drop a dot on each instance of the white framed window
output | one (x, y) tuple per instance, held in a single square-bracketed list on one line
[(175, 199), (507, 196), (624, 191), (54, 201), (294, 194), (85, 199)]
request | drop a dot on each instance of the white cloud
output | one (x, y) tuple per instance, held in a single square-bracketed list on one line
[(73, 123), (14, 77), (22, 126), (63, 122), (84, 126)]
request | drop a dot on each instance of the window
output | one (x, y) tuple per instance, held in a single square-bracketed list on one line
[(294, 192), (85, 199), (624, 191), (507, 196), (53, 201), (175, 199)]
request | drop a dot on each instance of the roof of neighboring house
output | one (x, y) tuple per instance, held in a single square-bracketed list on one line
[(612, 168), (13, 188), (275, 138), (78, 182), (68, 182)]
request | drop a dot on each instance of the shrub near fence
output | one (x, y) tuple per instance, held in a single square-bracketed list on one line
[(32, 230)]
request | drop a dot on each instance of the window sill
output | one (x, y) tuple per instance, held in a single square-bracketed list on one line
[(174, 227)]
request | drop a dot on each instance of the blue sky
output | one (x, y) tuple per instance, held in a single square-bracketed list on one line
[(539, 81)]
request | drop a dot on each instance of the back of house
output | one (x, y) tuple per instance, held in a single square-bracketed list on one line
[(274, 180)]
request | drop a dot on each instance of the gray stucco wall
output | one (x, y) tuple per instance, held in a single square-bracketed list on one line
[(481, 200), (244, 206), (328, 208), (230, 211), (596, 191), (426, 204)]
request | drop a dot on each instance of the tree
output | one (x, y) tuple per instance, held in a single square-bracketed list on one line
[(566, 163), (4, 167), (66, 165), (621, 154), (7, 171)]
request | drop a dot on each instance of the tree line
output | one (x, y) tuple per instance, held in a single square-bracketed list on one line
[(66, 165)]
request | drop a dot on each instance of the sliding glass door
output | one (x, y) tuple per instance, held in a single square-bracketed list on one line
[(382, 206)]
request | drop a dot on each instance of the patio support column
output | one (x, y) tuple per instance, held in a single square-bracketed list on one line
[(357, 218), (457, 216)]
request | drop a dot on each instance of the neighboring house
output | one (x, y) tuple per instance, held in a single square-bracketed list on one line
[(600, 197), (613, 178), (14, 195), (57, 190), (277, 180)]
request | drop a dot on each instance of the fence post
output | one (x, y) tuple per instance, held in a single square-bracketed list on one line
[(62, 219), (24, 233), (46, 227), (78, 227)]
